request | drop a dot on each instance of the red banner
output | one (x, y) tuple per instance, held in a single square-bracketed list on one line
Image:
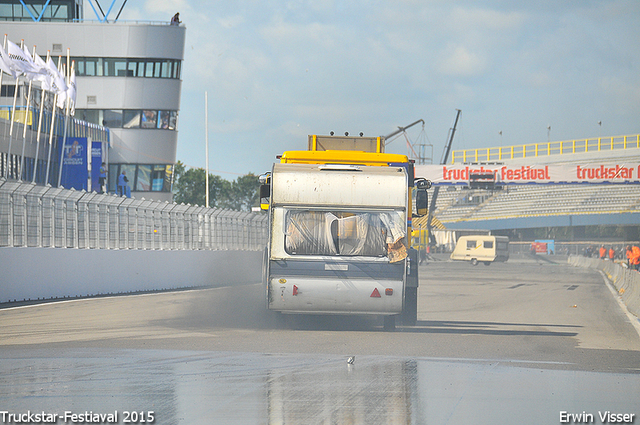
[(540, 247), (522, 174)]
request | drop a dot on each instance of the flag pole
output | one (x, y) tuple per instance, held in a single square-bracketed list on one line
[(66, 119), (13, 113), (64, 133), (40, 117), (24, 127), (53, 120), (206, 146), (4, 46), (43, 97)]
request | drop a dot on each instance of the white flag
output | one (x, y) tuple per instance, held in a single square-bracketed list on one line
[(62, 94), (20, 61), (5, 63), (47, 78), (71, 91), (58, 85), (37, 71)]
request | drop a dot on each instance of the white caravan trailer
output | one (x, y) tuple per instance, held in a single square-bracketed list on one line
[(483, 248), (338, 241)]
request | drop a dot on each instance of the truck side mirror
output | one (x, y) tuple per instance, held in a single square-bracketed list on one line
[(422, 183), (265, 194), (422, 202), (422, 197), (265, 191)]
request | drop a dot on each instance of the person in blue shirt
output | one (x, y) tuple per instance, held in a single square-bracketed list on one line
[(122, 183), (103, 177)]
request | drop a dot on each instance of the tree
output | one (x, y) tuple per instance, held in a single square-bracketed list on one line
[(244, 193), (189, 188), (188, 185)]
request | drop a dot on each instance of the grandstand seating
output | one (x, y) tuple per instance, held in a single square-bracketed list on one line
[(536, 200), (461, 204)]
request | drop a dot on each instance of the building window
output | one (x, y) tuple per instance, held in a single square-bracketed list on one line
[(158, 177), (143, 182), (127, 67), (149, 119), (92, 67), (8, 91), (115, 67), (56, 10), (142, 177), (90, 116), (129, 118), (112, 118), (167, 120), (132, 68)]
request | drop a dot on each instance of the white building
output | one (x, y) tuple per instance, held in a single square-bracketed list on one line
[(128, 79)]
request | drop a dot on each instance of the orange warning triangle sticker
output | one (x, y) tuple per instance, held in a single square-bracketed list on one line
[(375, 293)]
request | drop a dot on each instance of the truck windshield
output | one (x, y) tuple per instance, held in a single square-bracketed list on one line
[(375, 234)]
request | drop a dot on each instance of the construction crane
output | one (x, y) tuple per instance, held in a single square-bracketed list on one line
[(445, 157), (420, 156), (401, 129)]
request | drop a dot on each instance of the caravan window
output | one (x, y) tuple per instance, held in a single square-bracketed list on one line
[(488, 244), (343, 233), (471, 244)]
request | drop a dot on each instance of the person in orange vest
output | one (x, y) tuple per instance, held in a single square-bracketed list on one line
[(629, 255), (603, 252), (635, 257), (612, 253)]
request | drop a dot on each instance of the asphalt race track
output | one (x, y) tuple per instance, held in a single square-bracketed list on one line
[(527, 342)]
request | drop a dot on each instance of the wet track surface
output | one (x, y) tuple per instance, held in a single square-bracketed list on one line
[(520, 342)]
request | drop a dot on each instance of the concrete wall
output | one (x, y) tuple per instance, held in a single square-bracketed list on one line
[(87, 38), (43, 273), (626, 281)]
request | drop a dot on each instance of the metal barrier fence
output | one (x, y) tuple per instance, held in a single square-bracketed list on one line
[(42, 216), (626, 281)]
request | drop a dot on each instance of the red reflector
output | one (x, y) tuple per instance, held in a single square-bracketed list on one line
[(388, 291), (375, 293), (295, 290)]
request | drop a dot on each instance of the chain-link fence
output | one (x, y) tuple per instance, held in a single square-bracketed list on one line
[(42, 216)]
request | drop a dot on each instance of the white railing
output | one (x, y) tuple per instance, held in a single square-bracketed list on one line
[(42, 216)]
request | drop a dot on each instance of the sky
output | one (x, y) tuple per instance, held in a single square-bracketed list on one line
[(521, 72)]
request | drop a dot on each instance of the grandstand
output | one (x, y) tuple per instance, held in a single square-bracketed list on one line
[(514, 206)]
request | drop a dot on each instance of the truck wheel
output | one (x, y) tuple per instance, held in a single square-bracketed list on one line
[(474, 262), (389, 323), (409, 315), (487, 263)]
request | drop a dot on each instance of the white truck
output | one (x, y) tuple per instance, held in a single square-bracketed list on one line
[(338, 238)]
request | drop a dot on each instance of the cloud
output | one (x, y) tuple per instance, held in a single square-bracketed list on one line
[(462, 62)]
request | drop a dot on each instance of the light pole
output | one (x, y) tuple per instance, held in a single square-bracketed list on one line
[(206, 149), (599, 129), (549, 134)]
